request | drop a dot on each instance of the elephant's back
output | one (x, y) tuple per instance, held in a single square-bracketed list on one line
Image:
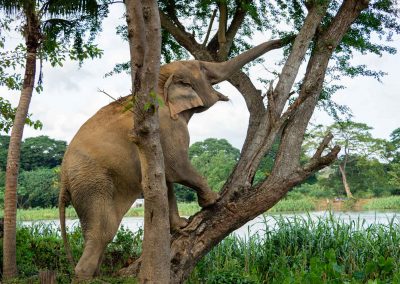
[(102, 147)]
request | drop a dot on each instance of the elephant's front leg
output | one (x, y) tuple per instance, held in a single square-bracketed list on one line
[(176, 222), (191, 178)]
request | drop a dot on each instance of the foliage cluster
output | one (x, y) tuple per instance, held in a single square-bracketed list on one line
[(38, 181), (371, 165)]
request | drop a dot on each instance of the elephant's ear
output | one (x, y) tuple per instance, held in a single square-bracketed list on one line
[(180, 96)]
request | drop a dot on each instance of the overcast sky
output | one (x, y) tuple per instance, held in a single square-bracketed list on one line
[(70, 94)]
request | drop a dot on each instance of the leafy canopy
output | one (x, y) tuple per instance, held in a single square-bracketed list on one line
[(372, 33), (68, 30)]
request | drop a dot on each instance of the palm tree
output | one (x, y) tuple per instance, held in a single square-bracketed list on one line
[(48, 24)]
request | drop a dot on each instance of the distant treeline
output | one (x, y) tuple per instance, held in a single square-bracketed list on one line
[(39, 171), (372, 166)]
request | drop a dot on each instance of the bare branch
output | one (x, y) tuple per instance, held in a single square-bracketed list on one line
[(271, 107), (300, 46), (236, 22), (209, 27), (223, 18), (230, 33), (184, 38), (119, 101), (318, 163), (324, 144)]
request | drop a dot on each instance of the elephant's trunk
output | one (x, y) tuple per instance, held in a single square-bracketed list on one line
[(218, 72)]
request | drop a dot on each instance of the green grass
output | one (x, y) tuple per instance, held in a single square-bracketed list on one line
[(188, 209), (302, 250), (294, 205), (41, 214), (185, 209), (384, 203)]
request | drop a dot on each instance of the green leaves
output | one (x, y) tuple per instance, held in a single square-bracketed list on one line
[(36, 152), (154, 102), (7, 115)]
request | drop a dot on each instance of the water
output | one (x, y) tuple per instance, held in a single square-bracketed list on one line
[(258, 224)]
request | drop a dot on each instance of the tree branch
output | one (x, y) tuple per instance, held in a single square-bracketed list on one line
[(324, 144), (289, 152), (237, 21), (319, 162), (223, 18), (299, 49), (184, 38), (209, 28)]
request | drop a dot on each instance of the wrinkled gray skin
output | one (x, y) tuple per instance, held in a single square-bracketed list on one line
[(100, 173)]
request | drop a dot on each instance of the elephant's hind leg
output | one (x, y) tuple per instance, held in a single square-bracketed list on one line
[(100, 228)]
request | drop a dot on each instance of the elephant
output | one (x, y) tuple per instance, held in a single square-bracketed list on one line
[(100, 172)]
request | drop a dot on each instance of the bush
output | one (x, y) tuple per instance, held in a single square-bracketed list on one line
[(38, 188), (40, 247)]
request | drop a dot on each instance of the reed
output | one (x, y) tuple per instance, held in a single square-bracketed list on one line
[(306, 250)]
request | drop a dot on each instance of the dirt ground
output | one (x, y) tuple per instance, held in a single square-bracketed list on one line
[(341, 205)]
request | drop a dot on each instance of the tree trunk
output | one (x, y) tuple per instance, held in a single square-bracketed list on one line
[(144, 33), (241, 200), (32, 37), (345, 183)]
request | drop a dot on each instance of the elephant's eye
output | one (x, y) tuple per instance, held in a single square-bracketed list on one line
[(185, 83)]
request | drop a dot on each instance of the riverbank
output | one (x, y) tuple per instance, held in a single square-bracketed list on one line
[(285, 205), (294, 250)]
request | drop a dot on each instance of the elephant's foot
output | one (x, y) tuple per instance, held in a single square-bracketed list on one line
[(208, 198), (81, 280), (177, 223)]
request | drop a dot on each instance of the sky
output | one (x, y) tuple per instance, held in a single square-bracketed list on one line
[(71, 96)]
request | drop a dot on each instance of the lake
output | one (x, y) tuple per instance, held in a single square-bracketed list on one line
[(259, 224)]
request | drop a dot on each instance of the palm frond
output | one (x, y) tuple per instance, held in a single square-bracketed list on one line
[(70, 7)]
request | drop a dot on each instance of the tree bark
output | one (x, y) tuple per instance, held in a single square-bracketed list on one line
[(345, 183), (32, 39), (144, 33)]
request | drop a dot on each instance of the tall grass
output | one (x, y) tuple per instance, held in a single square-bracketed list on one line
[(41, 214), (294, 205), (302, 250), (384, 203), (293, 250)]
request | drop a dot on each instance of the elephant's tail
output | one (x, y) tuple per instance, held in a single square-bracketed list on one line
[(63, 199)]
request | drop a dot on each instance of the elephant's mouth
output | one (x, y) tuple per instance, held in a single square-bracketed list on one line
[(200, 109)]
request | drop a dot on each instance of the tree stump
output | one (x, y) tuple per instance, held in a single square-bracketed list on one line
[(47, 277)]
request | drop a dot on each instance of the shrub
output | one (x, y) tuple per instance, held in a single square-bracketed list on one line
[(40, 247)]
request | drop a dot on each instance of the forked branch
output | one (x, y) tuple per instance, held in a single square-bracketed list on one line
[(323, 145)]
